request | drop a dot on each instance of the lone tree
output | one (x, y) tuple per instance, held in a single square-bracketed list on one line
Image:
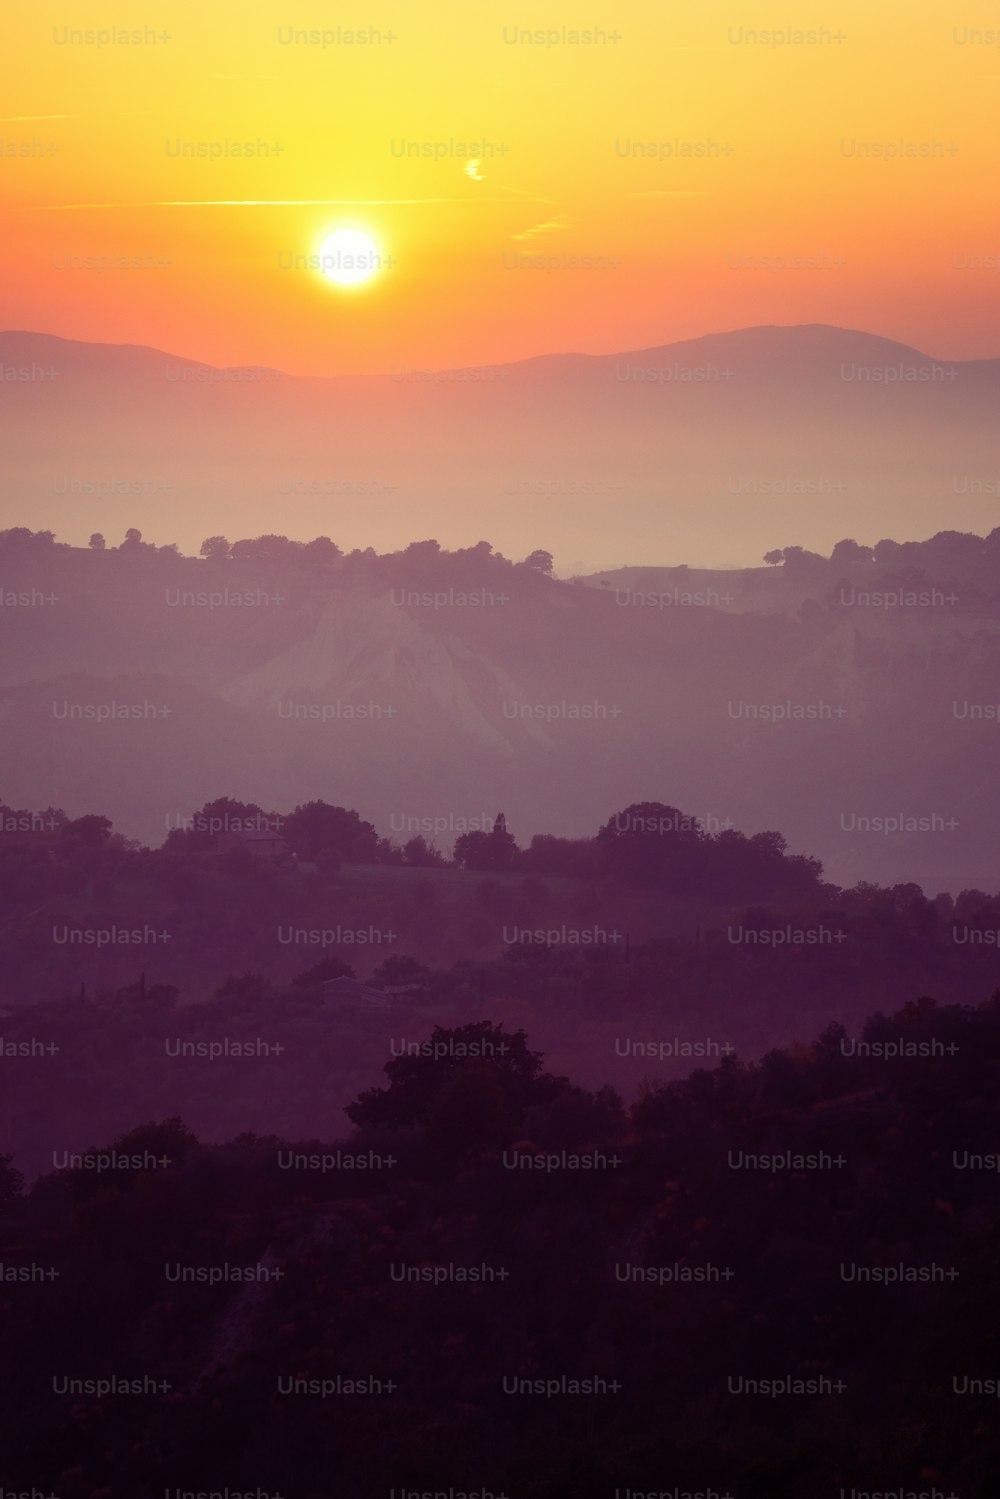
[(321, 549), (798, 559), (423, 551), (850, 550), (316, 826), (215, 548), (419, 852), (469, 1086), (648, 843), (97, 542), (540, 560), (773, 558), (89, 831), (479, 850)]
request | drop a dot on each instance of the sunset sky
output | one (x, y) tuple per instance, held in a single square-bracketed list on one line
[(93, 165)]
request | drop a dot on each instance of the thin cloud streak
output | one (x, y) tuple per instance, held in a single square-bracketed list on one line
[(519, 192), (256, 203), (544, 228)]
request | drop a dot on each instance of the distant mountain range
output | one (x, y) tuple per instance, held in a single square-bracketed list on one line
[(691, 450)]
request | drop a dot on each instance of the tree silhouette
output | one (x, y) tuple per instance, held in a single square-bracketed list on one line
[(417, 851), (483, 1055), (649, 843), (850, 550), (423, 551), (215, 548), (89, 831), (494, 850), (317, 826), (321, 549)]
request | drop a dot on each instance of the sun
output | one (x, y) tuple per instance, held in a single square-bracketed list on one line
[(349, 256)]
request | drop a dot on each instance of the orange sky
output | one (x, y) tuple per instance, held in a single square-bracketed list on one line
[(556, 120)]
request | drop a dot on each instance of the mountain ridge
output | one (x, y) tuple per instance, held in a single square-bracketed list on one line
[(740, 335)]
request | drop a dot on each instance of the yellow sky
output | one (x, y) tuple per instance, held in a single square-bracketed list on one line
[(758, 151)]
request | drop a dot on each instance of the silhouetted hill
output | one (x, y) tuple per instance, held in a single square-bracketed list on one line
[(850, 703), (191, 979)]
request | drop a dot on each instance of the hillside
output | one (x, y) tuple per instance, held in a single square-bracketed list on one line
[(191, 979), (436, 688)]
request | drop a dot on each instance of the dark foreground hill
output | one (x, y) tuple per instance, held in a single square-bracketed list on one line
[(774, 1282)]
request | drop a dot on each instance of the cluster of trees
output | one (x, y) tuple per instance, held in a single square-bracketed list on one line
[(948, 554), (269, 548), (950, 550), (646, 844), (669, 911), (848, 550), (272, 548), (315, 832), (652, 844), (474, 1086), (20, 540), (322, 549), (697, 983)]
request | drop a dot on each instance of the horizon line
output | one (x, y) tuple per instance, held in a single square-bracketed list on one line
[(499, 364)]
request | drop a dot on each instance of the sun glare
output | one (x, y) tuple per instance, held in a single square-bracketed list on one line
[(348, 256)]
